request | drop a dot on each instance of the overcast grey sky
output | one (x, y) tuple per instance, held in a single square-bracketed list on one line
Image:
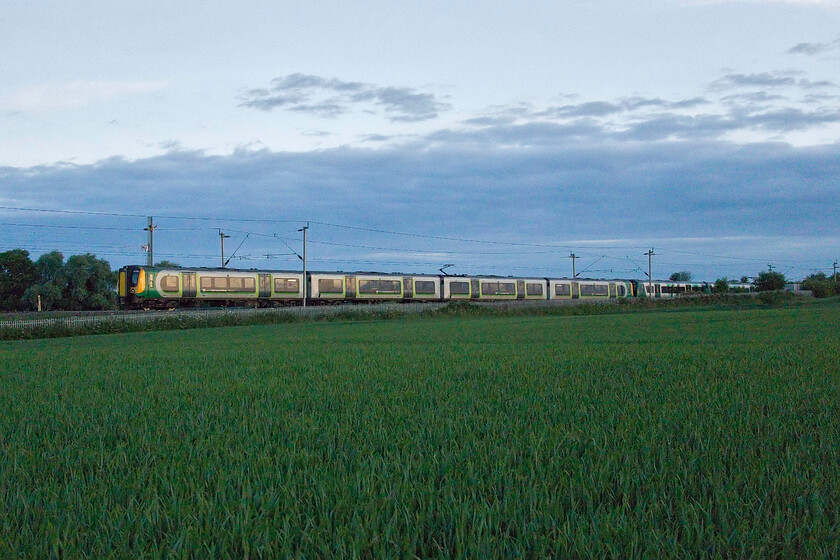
[(496, 136)]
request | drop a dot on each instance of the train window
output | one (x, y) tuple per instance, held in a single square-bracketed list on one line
[(534, 289), (562, 289), (213, 283), (286, 285), (622, 291), (594, 290), (459, 288), (135, 277), (227, 284), (239, 284), (330, 286), (380, 287), (498, 288), (424, 287), (169, 283)]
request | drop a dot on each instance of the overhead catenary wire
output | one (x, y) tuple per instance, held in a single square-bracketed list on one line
[(36, 244)]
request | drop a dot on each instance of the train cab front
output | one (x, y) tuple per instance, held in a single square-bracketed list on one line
[(132, 285)]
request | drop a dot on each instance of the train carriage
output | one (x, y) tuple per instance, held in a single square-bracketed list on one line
[(373, 287), (669, 289), (493, 288), (172, 287)]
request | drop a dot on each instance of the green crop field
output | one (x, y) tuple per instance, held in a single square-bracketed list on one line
[(701, 433)]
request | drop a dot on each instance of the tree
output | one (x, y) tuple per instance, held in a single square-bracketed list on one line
[(681, 276), (82, 283), (721, 286), (88, 283), (770, 281), (17, 274), (167, 264), (820, 285), (49, 285), (49, 266)]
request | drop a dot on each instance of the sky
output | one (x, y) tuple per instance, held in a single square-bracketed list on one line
[(494, 137)]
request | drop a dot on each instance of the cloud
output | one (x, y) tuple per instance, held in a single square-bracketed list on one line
[(654, 170), (640, 119), (715, 125), (588, 109), (762, 79), (813, 49), (538, 191), (598, 109), (330, 97), (593, 119), (808, 84), (776, 79), (78, 93), (752, 98)]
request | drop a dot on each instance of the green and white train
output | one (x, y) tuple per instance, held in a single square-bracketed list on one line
[(142, 287)]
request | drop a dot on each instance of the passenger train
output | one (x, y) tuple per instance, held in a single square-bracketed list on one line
[(144, 287)]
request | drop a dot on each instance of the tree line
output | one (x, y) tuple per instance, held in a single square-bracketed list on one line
[(82, 282), (819, 284)]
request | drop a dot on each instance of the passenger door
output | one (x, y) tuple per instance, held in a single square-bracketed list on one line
[(408, 287), (188, 280), (265, 285), (350, 287)]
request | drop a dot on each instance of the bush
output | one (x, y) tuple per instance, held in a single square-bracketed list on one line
[(820, 285), (681, 276), (774, 298), (770, 281)]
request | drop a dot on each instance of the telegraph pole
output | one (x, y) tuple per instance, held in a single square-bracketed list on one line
[(835, 276), (650, 270), (770, 268), (303, 229), (574, 258), (223, 237), (150, 255)]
